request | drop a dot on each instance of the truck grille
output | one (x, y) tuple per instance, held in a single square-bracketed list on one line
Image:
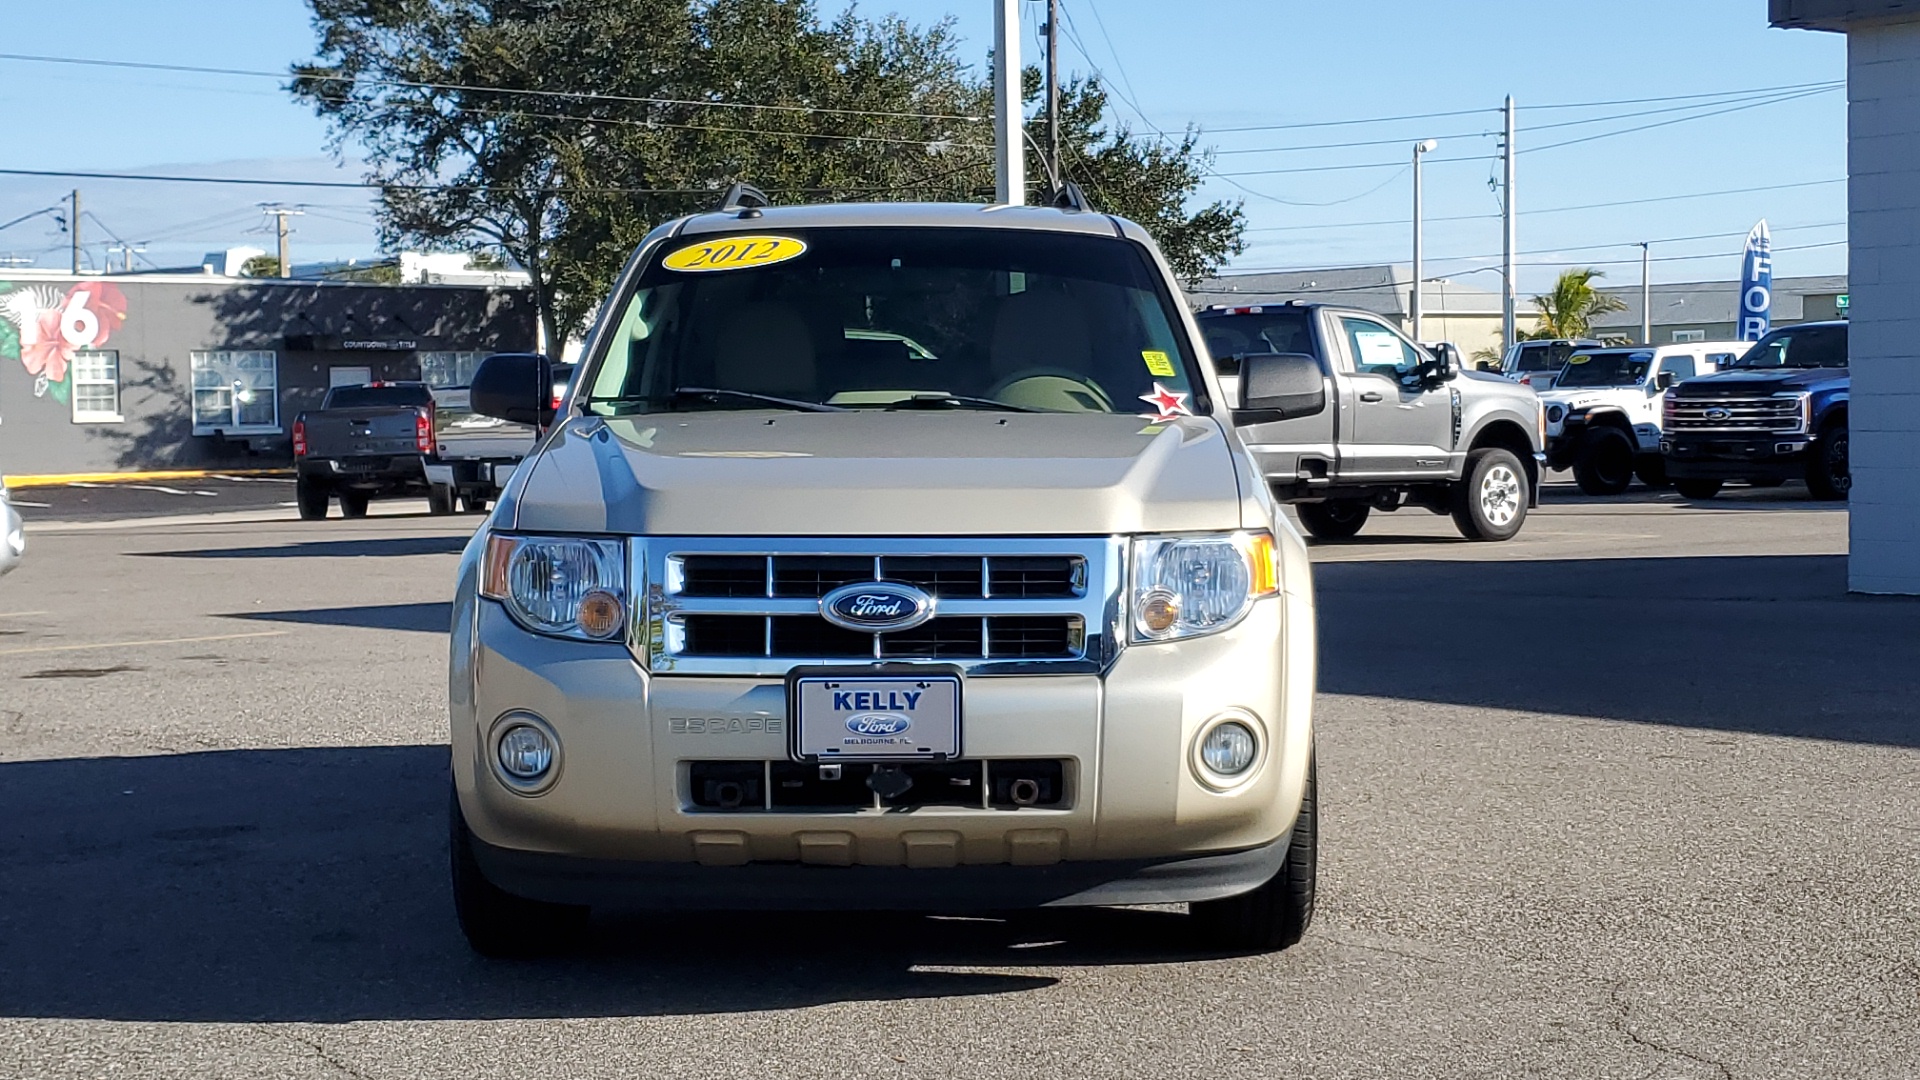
[(1770, 415), (1002, 606)]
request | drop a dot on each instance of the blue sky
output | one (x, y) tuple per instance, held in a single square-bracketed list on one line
[(1218, 64)]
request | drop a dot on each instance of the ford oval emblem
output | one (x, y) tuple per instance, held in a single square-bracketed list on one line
[(1718, 413), (876, 607), (875, 723)]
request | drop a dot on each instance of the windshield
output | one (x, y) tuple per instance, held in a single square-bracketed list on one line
[(1798, 347), (1542, 356), (1230, 337), (367, 397), (1611, 368), (878, 318)]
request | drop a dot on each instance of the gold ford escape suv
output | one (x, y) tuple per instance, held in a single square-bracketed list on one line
[(886, 557)]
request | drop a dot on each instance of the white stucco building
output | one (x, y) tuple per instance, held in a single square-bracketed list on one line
[(1883, 196)]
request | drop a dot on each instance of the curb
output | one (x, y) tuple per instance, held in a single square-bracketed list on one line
[(56, 479)]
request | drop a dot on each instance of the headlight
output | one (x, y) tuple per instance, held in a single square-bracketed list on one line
[(1184, 586), (565, 586)]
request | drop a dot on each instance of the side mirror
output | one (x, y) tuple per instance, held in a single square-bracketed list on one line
[(1444, 366), (515, 387), (1664, 380), (1492, 366), (1283, 385)]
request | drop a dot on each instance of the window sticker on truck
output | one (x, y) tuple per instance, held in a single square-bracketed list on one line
[(735, 253), (1158, 363)]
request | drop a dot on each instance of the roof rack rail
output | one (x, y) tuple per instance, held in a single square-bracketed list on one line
[(1070, 198), (744, 197)]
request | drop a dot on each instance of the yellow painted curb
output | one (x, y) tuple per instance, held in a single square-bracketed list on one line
[(56, 479)]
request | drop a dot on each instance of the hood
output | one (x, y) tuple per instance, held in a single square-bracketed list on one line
[(1740, 382), (1585, 396), (879, 474)]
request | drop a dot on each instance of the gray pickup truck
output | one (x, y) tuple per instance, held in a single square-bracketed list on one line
[(1406, 426)]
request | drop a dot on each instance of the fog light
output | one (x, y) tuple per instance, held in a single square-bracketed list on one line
[(1229, 749), (525, 752)]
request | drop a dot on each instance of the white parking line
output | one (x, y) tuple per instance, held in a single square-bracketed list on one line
[(19, 614), (132, 644)]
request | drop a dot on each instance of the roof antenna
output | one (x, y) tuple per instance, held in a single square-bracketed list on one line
[(1070, 198)]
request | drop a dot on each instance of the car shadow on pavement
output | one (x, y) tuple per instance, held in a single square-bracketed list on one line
[(311, 885), (434, 617), (325, 549), (1761, 644)]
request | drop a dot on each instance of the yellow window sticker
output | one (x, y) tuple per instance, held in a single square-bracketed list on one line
[(1581, 359), (1158, 363), (735, 253)]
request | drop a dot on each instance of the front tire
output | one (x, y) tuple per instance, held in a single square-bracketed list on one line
[(1828, 473), (496, 922), (1277, 914), (1604, 465), (312, 499), (1701, 490), (1490, 501), (1335, 519)]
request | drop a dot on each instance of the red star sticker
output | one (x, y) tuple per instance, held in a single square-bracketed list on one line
[(1166, 403)]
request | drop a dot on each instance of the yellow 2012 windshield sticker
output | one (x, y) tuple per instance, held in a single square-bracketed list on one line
[(735, 253)]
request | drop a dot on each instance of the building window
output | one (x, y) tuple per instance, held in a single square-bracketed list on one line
[(96, 387), (441, 370), (235, 391), (1681, 336)]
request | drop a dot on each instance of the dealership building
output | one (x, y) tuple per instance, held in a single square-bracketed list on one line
[(156, 371), (1883, 278)]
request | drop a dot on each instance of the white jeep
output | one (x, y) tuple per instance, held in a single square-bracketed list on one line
[(1603, 413)]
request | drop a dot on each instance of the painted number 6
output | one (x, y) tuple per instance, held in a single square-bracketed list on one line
[(78, 324)]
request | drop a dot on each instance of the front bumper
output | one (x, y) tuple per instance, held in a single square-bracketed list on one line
[(619, 824), (1737, 457)]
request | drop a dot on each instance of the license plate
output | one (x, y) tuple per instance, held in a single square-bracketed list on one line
[(907, 717)]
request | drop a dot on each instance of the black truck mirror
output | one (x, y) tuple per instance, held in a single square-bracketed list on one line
[(515, 387), (1282, 385)]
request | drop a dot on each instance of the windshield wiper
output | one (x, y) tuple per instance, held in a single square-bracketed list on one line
[(681, 392), (934, 401)]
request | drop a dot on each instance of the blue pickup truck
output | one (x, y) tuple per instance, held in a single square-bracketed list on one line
[(1777, 413)]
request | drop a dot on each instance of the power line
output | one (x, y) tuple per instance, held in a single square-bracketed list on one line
[(1686, 97), (1536, 262), (1676, 120), (1345, 145), (412, 84), (1351, 168), (371, 185)]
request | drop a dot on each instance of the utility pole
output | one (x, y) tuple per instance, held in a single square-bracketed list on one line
[(1509, 289), (282, 213), (73, 228), (1646, 295), (1010, 165), (1425, 146), (1054, 174)]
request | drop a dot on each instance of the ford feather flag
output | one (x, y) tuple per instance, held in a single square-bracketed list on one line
[(1756, 284)]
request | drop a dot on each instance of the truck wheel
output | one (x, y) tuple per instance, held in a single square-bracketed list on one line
[(496, 922), (312, 499), (1490, 501), (439, 500), (1828, 476), (1335, 519), (1276, 914), (353, 504), (473, 504), (1652, 471), (1604, 464), (1698, 489)]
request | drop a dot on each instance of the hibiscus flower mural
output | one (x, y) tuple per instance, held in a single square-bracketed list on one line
[(46, 324)]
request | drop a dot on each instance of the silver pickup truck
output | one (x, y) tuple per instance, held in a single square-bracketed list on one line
[(1406, 426), (883, 557)]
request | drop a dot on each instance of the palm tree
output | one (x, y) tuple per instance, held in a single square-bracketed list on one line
[(1569, 309)]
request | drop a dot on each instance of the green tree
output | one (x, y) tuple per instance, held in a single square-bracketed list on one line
[(261, 266), (1569, 308), (632, 117)]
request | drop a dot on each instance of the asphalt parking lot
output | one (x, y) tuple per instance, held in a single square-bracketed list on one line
[(1632, 796)]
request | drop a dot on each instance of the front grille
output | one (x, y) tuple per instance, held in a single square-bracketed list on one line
[(1766, 415), (1002, 605), (954, 637), (956, 577)]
